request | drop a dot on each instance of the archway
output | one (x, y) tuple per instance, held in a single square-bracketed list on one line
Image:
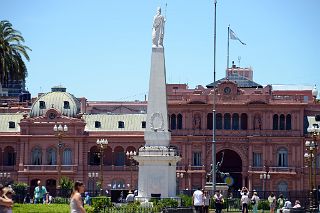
[(231, 164)]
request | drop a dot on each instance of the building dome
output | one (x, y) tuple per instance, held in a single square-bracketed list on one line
[(59, 99)]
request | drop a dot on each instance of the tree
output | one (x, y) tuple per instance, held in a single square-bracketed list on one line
[(12, 52)]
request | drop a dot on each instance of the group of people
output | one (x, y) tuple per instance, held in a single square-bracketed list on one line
[(201, 201), (41, 195), (281, 204)]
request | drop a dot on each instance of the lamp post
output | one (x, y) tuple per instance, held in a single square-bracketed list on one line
[(180, 175), (102, 144), (130, 156), (264, 177), (93, 175), (310, 157), (4, 176), (59, 131)]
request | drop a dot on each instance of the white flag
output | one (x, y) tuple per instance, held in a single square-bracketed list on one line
[(233, 36)]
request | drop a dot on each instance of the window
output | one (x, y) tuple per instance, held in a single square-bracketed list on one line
[(143, 124), (227, 121), (9, 156), (318, 161), (120, 124), (288, 122), (97, 124), (42, 104), (196, 159), (210, 121), (66, 105), (173, 121), (67, 157), (244, 121), (218, 121), (282, 122), (235, 121), (51, 156), (179, 121), (36, 156), (282, 157), (275, 122), (120, 158), (12, 125), (283, 187), (257, 159)]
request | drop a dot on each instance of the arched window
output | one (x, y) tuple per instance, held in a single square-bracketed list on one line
[(173, 121), (219, 121), (282, 157), (67, 157), (244, 121), (210, 121), (235, 121), (51, 156), (119, 156), (107, 157), (179, 119), (275, 122), (283, 187), (94, 156), (288, 122), (9, 156), (36, 156), (282, 122), (227, 121)]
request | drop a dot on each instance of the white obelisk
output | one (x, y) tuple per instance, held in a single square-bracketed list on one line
[(157, 161)]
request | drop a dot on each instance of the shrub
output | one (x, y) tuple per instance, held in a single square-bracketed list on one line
[(186, 201), (61, 200), (263, 204), (99, 203), (20, 189)]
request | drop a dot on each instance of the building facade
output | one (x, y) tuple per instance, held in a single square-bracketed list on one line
[(259, 130)]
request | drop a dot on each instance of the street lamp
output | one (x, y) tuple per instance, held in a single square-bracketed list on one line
[(180, 175), (4, 176), (60, 131), (130, 156), (93, 175), (102, 144), (310, 157), (264, 177)]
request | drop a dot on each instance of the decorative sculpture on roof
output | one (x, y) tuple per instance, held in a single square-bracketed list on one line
[(158, 29), (220, 175)]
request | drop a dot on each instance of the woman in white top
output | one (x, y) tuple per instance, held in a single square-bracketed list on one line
[(254, 201), (245, 201), (76, 204)]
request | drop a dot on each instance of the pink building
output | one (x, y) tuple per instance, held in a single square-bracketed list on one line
[(260, 129)]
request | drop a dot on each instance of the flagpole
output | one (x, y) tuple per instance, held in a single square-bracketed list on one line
[(214, 102), (228, 46)]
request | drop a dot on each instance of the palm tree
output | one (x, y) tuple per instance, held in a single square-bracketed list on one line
[(12, 66)]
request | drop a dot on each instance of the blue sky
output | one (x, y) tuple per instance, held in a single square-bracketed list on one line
[(101, 49)]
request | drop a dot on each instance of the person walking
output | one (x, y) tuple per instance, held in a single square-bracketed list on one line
[(272, 202), (206, 201), (39, 193), (254, 201), (76, 204), (280, 203), (197, 200), (218, 201)]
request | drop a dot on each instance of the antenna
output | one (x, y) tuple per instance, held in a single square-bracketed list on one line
[(239, 60)]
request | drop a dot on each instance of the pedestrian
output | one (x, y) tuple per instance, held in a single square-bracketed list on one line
[(197, 200), (76, 204), (296, 204), (130, 197), (218, 201), (244, 202), (254, 202), (206, 201), (280, 203), (272, 202), (39, 193), (7, 193)]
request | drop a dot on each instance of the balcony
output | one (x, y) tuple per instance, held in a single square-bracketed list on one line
[(274, 169), (49, 168), (112, 168)]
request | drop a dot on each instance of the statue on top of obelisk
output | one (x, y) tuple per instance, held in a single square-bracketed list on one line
[(158, 29)]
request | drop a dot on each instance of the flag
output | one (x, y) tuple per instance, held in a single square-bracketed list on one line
[(233, 36)]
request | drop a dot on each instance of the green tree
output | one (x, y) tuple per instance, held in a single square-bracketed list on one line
[(12, 52), (66, 186)]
